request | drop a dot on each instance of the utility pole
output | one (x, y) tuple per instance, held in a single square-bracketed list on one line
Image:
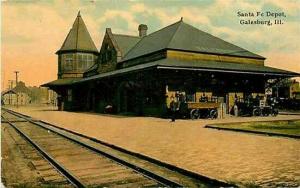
[(16, 72), (10, 86)]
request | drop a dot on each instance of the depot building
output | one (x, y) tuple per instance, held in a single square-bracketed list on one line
[(139, 74)]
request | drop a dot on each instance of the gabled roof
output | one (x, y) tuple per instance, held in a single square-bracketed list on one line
[(126, 42), (9, 91), (182, 36), (78, 38)]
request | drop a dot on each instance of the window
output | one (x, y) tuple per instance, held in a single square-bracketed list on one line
[(85, 60), (69, 95), (90, 60), (190, 97), (109, 55), (79, 60), (68, 61)]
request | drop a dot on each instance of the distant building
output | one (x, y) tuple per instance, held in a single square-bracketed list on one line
[(19, 95), (7, 97), (42, 95), (287, 89), (140, 74), (23, 95)]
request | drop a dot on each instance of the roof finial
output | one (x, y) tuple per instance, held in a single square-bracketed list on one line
[(181, 19), (78, 14)]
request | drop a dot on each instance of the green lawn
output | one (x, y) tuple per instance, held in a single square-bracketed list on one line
[(291, 127)]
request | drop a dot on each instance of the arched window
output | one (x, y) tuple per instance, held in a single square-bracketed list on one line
[(109, 55)]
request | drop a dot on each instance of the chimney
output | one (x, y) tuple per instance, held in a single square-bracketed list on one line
[(143, 30)]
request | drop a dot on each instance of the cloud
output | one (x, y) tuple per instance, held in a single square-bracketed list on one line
[(291, 7), (36, 23), (117, 14), (33, 31), (139, 7), (192, 15)]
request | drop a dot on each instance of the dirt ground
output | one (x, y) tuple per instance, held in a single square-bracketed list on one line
[(16, 170), (229, 156), (23, 166)]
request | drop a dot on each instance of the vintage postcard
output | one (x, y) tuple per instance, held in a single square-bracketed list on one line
[(140, 93)]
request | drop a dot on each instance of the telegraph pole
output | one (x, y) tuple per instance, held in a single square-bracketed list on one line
[(10, 86), (16, 72)]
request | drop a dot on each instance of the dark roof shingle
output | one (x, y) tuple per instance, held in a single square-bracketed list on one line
[(182, 36), (126, 42), (78, 38)]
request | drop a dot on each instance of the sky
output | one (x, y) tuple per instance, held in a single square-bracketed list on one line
[(32, 31)]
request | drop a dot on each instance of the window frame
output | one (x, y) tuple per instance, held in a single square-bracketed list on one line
[(69, 95), (68, 61)]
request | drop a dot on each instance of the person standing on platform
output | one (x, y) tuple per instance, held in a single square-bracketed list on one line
[(173, 108)]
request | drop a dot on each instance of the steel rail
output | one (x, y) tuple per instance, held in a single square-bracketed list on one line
[(207, 180), (62, 170), (151, 175)]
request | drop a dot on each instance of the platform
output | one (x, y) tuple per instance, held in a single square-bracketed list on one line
[(229, 156)]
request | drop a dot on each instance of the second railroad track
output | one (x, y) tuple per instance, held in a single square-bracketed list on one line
[(85, 162)]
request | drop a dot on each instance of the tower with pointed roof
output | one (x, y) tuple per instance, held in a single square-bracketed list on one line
[(78, 52)]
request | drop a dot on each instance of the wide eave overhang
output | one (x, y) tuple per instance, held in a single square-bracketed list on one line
[(225, 67), (76, 50), (175, 64), (61, 82)]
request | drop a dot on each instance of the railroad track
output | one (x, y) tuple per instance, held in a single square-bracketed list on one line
[(86, 163), (30, 167)]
